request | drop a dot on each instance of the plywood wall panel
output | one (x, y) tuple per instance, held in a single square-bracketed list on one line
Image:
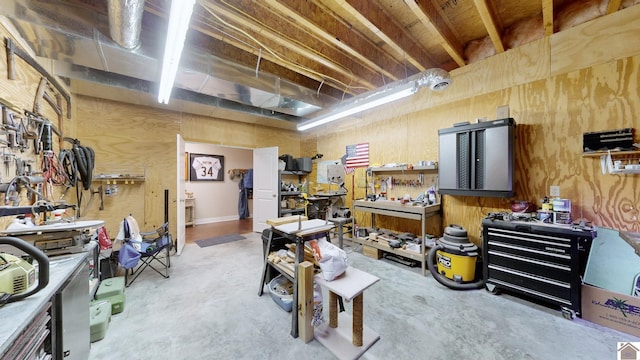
[(19, 95), (612, 37), (217, 131), (552, 114), (132, 136), (526, 63)]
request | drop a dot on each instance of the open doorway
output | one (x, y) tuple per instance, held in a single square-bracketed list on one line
[(215, 176)]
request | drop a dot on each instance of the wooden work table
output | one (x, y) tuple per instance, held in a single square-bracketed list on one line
[(396, 209), (297, 232)]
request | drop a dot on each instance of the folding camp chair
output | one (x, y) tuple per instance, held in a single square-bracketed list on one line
[(153, 248)]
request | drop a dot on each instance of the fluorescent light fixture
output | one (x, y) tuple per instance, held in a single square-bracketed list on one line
[(179, 18), (353, 107), (435, 79)]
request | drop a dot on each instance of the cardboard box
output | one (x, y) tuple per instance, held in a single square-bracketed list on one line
[(371, 252), (611, 309)]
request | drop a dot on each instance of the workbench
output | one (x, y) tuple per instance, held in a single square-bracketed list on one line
[(60, 303), (396, 209), (297, 232)]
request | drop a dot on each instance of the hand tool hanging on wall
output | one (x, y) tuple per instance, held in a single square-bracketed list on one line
[(41, 93), (14, 49), (15, 130), (43, 138), (56, 104), (7, 159)]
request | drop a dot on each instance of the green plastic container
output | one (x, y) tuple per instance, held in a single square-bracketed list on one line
[(100, 316), (110, 287), (117, 303)]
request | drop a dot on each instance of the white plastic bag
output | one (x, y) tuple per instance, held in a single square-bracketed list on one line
[(332, 259)]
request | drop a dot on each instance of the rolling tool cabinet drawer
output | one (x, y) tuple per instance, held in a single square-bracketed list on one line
[(536, 261)]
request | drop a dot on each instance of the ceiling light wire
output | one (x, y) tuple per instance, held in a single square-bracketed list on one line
[(258, 62), (280, 58), (319, 87)]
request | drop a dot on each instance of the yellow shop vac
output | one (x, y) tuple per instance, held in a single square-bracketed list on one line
[(452, 261)]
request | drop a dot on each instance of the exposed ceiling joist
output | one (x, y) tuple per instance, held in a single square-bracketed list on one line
[(547, 17), (286, 60), (385, 28), (429, 16), (312, 17), (490, 20), (277, 41), (613, 6)]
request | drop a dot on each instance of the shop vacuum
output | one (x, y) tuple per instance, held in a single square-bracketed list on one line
[(456, 260)]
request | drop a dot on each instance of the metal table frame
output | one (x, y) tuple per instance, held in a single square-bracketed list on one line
[(298, 233)]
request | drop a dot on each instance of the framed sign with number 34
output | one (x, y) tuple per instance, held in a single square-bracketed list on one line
[(203, 167)]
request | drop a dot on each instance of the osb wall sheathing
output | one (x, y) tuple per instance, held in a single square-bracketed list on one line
[(553, 108), (19, 94)]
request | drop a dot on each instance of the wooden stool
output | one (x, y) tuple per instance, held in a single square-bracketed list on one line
[(335, 334)]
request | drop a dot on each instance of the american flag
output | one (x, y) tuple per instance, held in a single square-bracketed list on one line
[(357, 156)]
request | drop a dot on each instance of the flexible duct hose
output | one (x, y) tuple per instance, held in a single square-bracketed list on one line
[(433, 267)]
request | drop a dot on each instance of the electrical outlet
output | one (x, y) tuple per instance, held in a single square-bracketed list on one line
[(502, 112), (554, 191)]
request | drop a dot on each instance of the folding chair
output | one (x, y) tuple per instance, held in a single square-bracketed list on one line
[(154, 248)]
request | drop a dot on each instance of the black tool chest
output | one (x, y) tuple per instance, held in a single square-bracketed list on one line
[(542, 261)]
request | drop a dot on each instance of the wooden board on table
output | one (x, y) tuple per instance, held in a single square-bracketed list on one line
[(286, 220)]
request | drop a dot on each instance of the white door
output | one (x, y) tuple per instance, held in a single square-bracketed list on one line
[(180, 170), (265, 187)]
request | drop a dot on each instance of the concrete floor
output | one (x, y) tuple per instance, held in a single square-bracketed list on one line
[(209, 309)]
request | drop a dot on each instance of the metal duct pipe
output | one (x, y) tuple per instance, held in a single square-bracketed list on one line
[(125, 21), (436, 79)]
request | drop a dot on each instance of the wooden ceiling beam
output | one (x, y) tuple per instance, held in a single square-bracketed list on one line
[(489, 19), (613, 6), (385, 28), (309, 15), (273, 38), (205, 28), (429, 16), (239, 48), (547, 17)]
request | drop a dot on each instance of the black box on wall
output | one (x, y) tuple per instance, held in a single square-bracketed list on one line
[(620, 139)]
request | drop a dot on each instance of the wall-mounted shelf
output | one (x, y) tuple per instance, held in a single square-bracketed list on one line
[(403, 168), (114, 179), (120, 174), (632, 157), (604, 153)]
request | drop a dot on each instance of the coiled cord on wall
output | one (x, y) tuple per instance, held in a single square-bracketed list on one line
[(80, 165)]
